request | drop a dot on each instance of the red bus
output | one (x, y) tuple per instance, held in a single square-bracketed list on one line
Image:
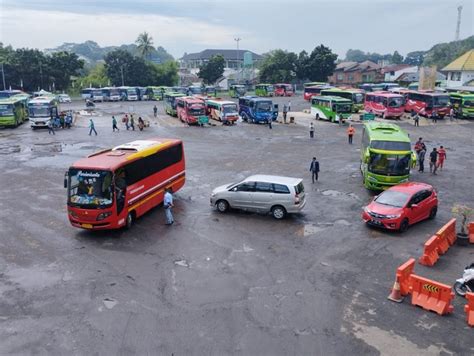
[(425, 102), (384, 104), (311, 91), (190, 109), (282, 89), (111, 188)]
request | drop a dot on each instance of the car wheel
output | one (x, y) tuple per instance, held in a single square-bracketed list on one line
[(317, 117), (222, 206), (433, 212), (129, 221), (278, 212), (404, 225)]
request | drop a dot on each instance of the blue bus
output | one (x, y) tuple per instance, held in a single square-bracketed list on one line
[(254, 109)]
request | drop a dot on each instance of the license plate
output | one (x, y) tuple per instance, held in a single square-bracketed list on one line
[(87, 226)]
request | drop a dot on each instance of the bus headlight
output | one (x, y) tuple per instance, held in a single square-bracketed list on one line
[(73, 214), (372, 179), (102, 216)]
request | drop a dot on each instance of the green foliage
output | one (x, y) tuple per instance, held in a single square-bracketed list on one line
[(144, 44), (442, 54), (414, 58), (97, 77), (397, 58), (321, 64), (356, 55), (278, 66), (165, 74), (212, 70)]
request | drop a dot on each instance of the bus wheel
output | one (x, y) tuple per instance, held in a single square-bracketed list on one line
[(317, 117), (129, 221)]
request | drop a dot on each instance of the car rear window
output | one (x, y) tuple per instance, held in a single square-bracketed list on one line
[(299, 188), (281, 189)]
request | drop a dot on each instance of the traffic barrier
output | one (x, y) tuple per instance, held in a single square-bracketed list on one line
[(443, 244), (448, 231), (430, 252), (469, 309), (471, 232), (431, 295), (403, 274)]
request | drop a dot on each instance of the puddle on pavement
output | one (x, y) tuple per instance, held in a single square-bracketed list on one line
[(310, 229), (47, 147), (8, 149), (332, 193)]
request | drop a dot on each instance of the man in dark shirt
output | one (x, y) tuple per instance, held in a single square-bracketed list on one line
[(433, 159), (314, 169)]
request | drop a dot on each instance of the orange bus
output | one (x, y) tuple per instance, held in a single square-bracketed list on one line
[(110, 189)]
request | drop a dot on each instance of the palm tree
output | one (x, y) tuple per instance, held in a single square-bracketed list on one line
[(145, 44)]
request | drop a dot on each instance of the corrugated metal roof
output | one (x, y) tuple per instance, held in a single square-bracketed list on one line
[(463, 63)]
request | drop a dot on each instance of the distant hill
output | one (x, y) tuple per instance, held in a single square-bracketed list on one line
[(444, 53), (91, 52)]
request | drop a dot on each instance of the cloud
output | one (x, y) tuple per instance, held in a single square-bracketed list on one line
[(45, 29)]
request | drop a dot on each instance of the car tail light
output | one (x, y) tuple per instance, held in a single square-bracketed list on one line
[(297, 199)]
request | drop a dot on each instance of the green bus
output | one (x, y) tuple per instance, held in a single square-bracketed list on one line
[(237, 90), (264, 90), (14, 110), (385, 155), (331, 108), (170, 102), (463, 104), (355, 95)]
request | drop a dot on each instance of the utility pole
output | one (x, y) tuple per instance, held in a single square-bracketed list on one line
[(237, 39), (121, 71), (3, 77), (458, 24)]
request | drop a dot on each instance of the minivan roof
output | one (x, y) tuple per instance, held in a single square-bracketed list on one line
[(273, 179)]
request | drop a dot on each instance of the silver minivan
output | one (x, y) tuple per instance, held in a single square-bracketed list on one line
[(263, 194)]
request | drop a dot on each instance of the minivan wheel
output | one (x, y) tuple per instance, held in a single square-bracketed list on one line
[(433, 212), (404, 225), (278, 212), (222, 206), (129, 221)]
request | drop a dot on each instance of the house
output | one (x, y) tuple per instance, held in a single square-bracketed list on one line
[(461, 70), (234, 59), (392, 72), (407, 78), (353, 73)]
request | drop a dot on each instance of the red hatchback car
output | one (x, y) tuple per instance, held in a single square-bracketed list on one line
[(401, 206)]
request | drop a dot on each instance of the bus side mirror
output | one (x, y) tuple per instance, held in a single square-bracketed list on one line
[(65, 179)]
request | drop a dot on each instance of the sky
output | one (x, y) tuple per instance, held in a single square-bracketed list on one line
[(181, 26)]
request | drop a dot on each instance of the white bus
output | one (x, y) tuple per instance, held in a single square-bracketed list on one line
[(42, 109)]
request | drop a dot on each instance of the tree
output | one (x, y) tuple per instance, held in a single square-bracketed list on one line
[(397, 58), (355, 55), (166, 73), (118, 65), (144, 44), (302, 65), (63, 65), (212, 70), (321, 64), (414, 58), (278, 66), (97, 77)]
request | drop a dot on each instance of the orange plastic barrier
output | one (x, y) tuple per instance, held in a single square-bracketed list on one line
[(471, 232), (443, 244), (403, 273), (448, 232), (469, 309), (431, 295), (430, 253)]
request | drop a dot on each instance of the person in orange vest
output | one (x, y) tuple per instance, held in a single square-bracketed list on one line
[(350, 132), (441, 157)]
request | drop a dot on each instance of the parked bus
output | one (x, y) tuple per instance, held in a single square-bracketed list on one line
[(42, 109), (463, 104), (255, 110), (385, 156), (384, 104), (142, 93), (9, 93), (110, 189), (222, 110), (237, 90), (282, 89), (191, 110), (331, 108), (194, 90), (170, 102), (264, 90), (424, 103), (132, 94), (315, 90), (313, 84), (355, 95), (111, 94), (86, 93), (14, 110), (97, 95)]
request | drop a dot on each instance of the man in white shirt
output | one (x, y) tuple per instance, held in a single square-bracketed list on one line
[(168, 204)]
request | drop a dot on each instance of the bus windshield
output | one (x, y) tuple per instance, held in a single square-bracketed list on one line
[(6, 110), (395, 102), (440, 101), (358, 98), (196, 110), (132, 91), (389, 164), (90, 188), (342, 108), (229, 108), (264, 106), (468, 103), (40, 110)]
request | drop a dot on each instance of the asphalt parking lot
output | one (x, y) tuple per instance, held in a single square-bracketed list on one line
[(236, 283)]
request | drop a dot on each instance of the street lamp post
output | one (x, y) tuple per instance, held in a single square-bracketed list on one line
[(237, 39), (121, 71), (3, 77)]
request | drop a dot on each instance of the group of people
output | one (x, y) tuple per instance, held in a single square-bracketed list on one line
[(434, 116), (129, 123), (63, 121), (437, 157)]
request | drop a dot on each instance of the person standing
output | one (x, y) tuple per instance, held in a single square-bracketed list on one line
[(417, 120), (311, 130), (441, 157), (350, 133), (114, 124), (434, 116), (92, 127), (314, 169), (421, 160), (51, 127), (155, 111), (270, 123), (168, 204), (289, 106), (433, 160), (451, 113), (141, 123), (125, 120), (285, 112), (132, 122)]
